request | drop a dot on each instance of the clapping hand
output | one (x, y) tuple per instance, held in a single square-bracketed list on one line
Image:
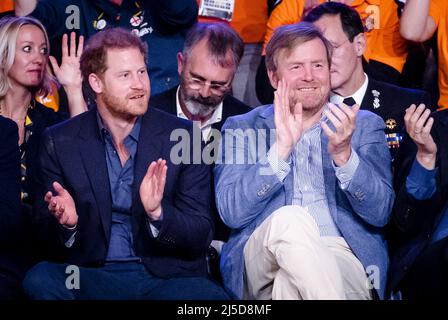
[(418, 126), (288, 121), (343, 119), (151, 188)]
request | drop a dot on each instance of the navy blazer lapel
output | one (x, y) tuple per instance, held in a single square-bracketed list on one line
[(93, 157), (329, 177), (149, 149), (165, 101)]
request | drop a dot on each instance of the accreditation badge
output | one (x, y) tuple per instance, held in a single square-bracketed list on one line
[(221, 9)]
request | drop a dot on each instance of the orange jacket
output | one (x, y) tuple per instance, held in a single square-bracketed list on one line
[(438, 10), (6, 5)]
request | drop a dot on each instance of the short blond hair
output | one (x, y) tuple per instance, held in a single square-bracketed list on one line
[(9, 31)]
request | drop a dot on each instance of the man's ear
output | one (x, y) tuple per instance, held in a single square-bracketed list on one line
[(180, 63), (273, 78), (360, 43), (95, 83)]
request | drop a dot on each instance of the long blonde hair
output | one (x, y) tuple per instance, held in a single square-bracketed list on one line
[(9, 31)]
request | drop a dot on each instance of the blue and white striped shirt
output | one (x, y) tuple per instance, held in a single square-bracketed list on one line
[(309, 184)]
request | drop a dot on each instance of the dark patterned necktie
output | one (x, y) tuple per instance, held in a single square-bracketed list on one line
[(349, 101)]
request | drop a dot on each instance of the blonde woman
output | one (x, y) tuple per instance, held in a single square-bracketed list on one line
[(25, 73)]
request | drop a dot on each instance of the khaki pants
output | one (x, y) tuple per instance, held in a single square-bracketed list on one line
[(286, 258)]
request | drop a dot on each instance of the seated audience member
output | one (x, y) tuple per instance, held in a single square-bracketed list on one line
[(161, 24), (112, 202), (420, 20), (419, 265), (385, 51), (24, 51), (206, 68), (248, 19), (343, 28), (307, 215), (11, 265)]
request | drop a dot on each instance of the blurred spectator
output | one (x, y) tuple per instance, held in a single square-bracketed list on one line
[(419, 22)]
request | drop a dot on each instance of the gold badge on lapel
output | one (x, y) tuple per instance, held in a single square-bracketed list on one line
[(391, 124)]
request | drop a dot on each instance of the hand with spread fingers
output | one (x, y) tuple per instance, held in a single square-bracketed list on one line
[(343, 119), (69, 73), (62, 206), (152, 187), (418, 125), (288, 121)]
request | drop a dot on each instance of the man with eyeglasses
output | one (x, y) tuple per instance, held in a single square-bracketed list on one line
[(343, 27), (207, 66)]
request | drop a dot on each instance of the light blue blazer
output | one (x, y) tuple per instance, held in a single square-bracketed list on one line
[(245, 197)]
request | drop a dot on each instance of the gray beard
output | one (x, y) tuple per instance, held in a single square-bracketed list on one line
[(199, 109)]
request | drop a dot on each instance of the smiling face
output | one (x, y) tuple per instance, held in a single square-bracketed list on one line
[(30, 59), (124, 87), (306, 68)]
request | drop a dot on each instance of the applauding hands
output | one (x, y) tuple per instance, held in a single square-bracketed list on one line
[(151, 189), (418, 126), (288, 119), (340, 141)]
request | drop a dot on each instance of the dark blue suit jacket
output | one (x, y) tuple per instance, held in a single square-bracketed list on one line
[(9, 181), (11, 218), (415, 220), (166, 101), (73, 154)]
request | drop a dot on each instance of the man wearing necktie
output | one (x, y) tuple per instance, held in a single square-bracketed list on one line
[(342, 26)]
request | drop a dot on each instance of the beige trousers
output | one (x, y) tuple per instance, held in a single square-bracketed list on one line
[(286, 258)]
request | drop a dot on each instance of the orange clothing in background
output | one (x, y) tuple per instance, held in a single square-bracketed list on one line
[(249, 19), (286, 12), (51, 100), (384, 42), (438, 10), (6, 5)]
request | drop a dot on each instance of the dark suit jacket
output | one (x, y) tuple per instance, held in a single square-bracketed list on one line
[(414, 220), (12, 265), (42, 117), (390, 102), (231, 107), (73, 154), (10, 221), (166, 101)]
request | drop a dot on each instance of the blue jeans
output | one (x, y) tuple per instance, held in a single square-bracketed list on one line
[(117, 281)]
